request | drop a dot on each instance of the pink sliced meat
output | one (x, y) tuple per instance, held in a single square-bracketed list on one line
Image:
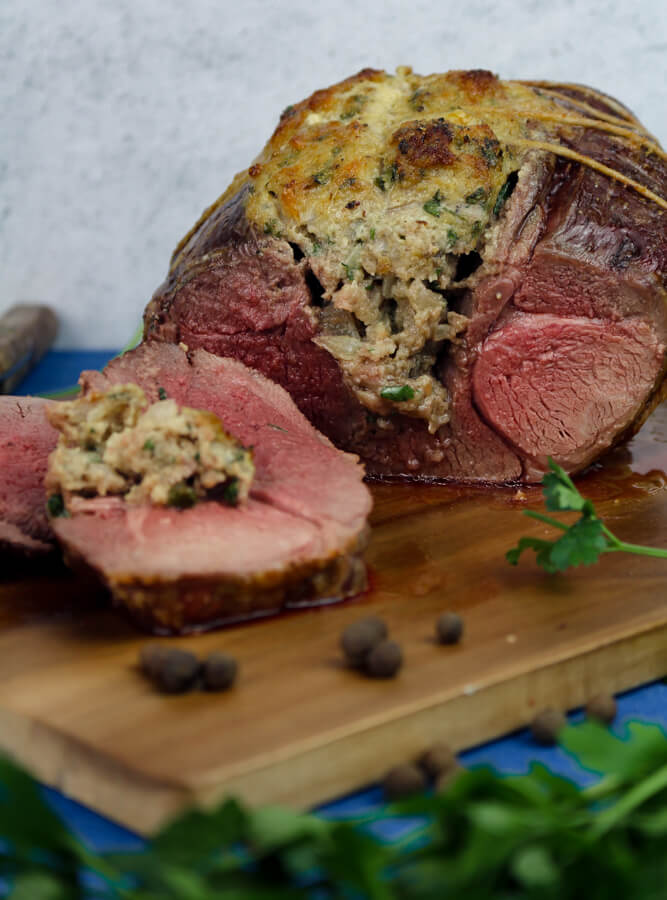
[(299, 538), (26, 439)]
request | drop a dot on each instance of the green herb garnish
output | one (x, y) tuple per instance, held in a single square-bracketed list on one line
[(434, 206), (477, 196), (277, 427), (182, 496), (272, 227), (230, 493), (388, 176), (397, 393), (55, 507), (149, 445), (371, 234), (526, 837), (350, 269), (581, 543), (452, 238), (323, 176), (503, 194), (162, 394)]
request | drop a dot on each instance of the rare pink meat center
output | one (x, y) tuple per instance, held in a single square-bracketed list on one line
[(564, 387)]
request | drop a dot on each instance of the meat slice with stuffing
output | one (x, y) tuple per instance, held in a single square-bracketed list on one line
[(193, 518)]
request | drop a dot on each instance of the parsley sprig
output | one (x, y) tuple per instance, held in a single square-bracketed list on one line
[(531, 836), (582, 542)]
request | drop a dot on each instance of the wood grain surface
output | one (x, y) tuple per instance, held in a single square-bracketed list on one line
[(300, 727)]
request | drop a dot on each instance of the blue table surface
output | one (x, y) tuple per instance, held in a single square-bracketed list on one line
[(510, 755)]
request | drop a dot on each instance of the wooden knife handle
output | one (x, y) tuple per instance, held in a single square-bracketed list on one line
[(27, 331)]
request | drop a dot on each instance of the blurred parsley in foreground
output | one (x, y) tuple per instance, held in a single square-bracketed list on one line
[(532, 836)]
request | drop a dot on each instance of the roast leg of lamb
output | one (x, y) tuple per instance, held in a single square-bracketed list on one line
[(455, 277), (26, 439), (192, 562)]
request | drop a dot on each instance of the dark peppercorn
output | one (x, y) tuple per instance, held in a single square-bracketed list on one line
[(403, 780), (546, 725), (172, 671), (437, 760), (359, 638), (601, 707), (219, 671), (151, 658), (384, 660), (449, 628)]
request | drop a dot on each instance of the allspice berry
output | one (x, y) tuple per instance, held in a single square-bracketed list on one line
[(449, 628), (546, 725), (403, 780), (219, 671), (151, 657), (172, 671), (602, 707), (384, 660), (359, 638), (437, 759)]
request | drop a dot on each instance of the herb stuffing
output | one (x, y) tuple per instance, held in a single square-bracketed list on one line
[(581, 543), (534, 836), (117, 444)]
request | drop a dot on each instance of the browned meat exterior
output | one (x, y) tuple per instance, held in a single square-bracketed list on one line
[(26, 439), (457, 286), (298, 539)]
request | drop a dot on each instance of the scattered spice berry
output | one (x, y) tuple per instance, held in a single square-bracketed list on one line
[(359, 638), (601, 707), (172, 671), (219, 671), (151, 658), (384, 660), (546, 725), (403, 780), (438, 760), (449, 628)]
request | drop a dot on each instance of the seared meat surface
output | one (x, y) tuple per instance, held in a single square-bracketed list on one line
[(454, 276)]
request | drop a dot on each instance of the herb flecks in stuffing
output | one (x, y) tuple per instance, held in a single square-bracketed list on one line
[(117, 444)]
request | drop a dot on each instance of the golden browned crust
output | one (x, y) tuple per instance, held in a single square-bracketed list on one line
[(174, 606)]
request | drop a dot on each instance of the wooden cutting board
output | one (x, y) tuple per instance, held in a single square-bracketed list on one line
[(300, 727)]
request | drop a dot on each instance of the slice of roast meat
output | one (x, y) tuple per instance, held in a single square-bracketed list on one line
[(26, 439), (552, 337), (297, 540)]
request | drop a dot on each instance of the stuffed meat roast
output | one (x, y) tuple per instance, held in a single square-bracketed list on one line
[(454, 276)]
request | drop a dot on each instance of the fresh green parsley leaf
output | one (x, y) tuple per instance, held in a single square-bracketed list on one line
[(582, 542), (149, 445), (162, 394), (397, 393)]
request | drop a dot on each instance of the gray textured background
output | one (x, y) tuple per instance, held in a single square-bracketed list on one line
[(122, 119)]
